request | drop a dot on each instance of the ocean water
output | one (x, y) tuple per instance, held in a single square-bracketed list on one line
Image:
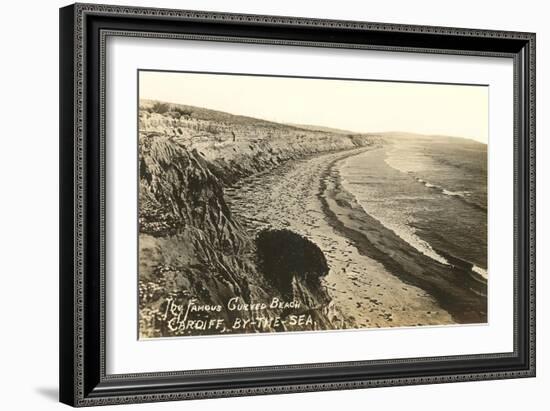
[(431, 192)]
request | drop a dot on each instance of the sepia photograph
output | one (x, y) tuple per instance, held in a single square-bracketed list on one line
[(296, 204)]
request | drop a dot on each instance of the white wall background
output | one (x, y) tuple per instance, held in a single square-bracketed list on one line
[(29, 204)]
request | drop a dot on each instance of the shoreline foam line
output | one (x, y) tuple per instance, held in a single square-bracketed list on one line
[(452, 286)]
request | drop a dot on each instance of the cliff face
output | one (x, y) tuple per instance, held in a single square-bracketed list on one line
[(192, 250), (237, 146)]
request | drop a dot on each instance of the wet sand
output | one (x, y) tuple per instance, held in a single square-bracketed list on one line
[(305, 196)]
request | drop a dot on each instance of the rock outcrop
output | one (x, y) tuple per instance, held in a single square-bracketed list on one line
[(284, 255)]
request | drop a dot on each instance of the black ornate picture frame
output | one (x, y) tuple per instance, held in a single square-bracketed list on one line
[(84, 29)]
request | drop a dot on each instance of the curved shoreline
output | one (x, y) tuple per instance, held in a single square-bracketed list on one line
[(452, 286), (361, 288)]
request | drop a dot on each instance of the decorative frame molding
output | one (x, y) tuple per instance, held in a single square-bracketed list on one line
[(84, 29)]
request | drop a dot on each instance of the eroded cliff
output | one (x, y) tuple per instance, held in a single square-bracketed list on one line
[(195, 257)]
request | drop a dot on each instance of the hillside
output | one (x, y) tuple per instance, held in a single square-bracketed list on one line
[(237, 146), (322, 128), (191, 247)]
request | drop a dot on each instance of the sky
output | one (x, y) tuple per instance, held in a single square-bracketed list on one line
[(354, 105)]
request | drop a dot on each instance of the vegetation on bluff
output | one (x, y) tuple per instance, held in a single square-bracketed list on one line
[(283, 255)]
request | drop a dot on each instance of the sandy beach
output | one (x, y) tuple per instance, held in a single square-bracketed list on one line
[(305, 196)]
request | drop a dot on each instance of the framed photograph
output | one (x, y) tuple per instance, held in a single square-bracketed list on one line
[(261, 204)]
